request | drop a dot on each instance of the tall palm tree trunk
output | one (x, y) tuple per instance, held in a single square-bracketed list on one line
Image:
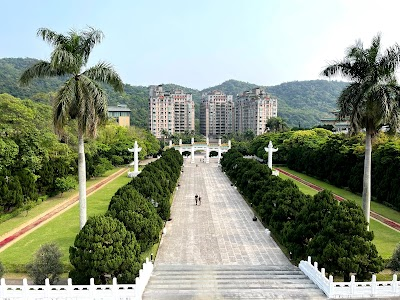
[(82, 180), (366, 195)]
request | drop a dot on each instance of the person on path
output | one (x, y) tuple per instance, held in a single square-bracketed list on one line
[(199, 200), (196, 197)]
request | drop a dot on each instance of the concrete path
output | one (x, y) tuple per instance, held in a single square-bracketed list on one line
[(212, 249)]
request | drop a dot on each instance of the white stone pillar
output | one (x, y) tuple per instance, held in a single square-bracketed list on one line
[(270, 149), (180, 146), (192, 141), (207, 154), (219, 142), (207, 141), (170, 143), (229, 144), (135, 151)]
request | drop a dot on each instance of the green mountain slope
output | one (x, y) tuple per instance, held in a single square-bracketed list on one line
[(303, 102)]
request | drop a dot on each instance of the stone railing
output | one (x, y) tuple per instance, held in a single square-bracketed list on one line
[(86, 292), (352, 289)]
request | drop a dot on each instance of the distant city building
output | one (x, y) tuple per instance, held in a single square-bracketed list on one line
[(253, 109), (170, 112), (217, 114), (121, 113)]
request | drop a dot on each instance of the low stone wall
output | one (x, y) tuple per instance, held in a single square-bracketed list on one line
[(352, 289), (84, 292)]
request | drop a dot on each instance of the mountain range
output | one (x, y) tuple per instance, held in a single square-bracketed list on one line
[(300, 103)]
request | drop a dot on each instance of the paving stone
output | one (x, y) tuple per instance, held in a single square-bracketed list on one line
[(216, 251)]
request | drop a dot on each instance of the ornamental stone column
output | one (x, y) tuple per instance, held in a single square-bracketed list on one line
[(270, 149)]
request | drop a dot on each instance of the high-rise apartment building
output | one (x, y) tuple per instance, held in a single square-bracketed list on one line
[(216, 114), (171, 112), (253, 109)]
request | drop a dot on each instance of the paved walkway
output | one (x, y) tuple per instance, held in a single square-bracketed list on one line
[(221, 230), (216, 251)]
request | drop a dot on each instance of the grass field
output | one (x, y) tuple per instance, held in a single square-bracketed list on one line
[(376, 207), (41, 208), (61, 230), (385, 239)]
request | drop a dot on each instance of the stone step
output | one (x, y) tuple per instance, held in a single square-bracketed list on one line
[(236, 276), (225, 272), (233, 294), (172, 268), (276, 284)]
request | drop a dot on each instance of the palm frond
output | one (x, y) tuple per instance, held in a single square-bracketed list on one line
[(93, 106), (39, 70), (53, 38), (90, 38), (63, 59), (64, 105), (105, 73)]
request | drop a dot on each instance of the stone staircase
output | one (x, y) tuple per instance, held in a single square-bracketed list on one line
[(230, 282)]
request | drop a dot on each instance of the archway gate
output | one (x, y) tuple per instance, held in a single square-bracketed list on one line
[(192, 147)]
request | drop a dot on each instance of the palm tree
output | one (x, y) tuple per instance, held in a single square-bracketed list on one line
[(81, 97), (372, 98)]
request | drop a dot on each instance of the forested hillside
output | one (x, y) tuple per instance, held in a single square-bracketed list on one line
[(299, 102)]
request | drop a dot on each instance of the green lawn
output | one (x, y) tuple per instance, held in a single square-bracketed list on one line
[(23, 217), (385, 239), (376, 207), (61, 230), (302, 187)]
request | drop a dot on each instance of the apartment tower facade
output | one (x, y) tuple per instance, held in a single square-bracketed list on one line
[(217, 115), (253, 109), (171, 112)]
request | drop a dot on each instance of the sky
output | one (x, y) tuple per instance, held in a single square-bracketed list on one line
[(202, 43)]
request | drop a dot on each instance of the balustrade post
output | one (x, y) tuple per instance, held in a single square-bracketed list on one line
[(309, 260), (92, 288), (331, 286), (394, 284), (69, 288), (316, 265), (373, 285), (25, 288), (115, 289), (46, 288), (3, 288), (323, 272), (352, 284)]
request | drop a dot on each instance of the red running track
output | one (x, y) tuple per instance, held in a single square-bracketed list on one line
[(374, 215), (58, 209)]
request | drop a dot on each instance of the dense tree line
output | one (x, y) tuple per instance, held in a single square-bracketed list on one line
[(111, 245), (34, 162), (301, 102), (338, 159), (333, 233)]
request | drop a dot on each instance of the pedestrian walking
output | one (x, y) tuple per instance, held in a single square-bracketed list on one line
[(196, 197), (199, 200)]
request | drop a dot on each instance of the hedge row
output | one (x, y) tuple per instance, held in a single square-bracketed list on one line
[(339, 160), (110, 245), (333, 233)]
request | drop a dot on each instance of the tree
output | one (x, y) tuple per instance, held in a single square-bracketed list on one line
[(372, 98), (104, 247), (343, 245), (81, 97), (65, 184), (394, 263), (138, 215), (276, 125), (46, 264)]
